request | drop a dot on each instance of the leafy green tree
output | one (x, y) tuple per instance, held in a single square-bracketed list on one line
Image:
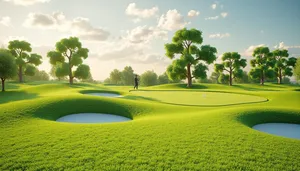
[(223, 78), (25, 62), (56, 73), (127, 76), (184, 43), (232, 64), (38, 76), (115, 76), (214, 77), (163, 79), (89, 79), (284, 65), (244, 78), (262, 64), (107, 81), (7, 66), (69, 52), (149, 78), (297, 69)]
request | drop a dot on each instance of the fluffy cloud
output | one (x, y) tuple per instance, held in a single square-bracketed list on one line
[(193, 13), (133, 10), (172, 20), (214, 6), (6, 21), (79, 26), (27, 2), (249, 51), (212, 18), (224, 14), (145, 34), (219, 35), (281, 45)]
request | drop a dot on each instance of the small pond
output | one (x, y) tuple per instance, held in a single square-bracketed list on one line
[(92, 118), (280, 129)]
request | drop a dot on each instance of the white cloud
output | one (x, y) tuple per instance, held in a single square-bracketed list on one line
[(249, 51), (133, 10), (145, 34), (262, 31), (57, 21), (281, 45), (6, 21), (193, 13), (219, 35), (212, 18), (136, 20), (27, 2), (224, 14), (172, 20), (214, 6)]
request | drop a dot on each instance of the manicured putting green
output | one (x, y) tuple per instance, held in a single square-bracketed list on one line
[(105, 94), (199, 98)]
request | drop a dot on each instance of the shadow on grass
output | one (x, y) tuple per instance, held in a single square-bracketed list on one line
[(10, 96), (271, 116), (252, 88), (99, 91)]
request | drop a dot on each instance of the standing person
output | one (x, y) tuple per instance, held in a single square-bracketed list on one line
[(136, 82)]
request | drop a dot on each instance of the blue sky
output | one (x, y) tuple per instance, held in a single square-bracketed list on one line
[(122, 32)]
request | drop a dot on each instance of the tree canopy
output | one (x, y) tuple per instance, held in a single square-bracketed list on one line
[(297, 69), (69, 53), (232, 63), (262, 65), (283, 64), (149, 78), (24, 61), (7, 66), (188, 65)]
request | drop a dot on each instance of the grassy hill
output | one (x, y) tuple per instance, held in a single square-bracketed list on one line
[(166, 132)]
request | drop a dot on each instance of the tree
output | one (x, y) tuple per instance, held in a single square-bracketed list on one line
[(38, 76), (232, 64), (149, 78), (7, 66), (262, 64), (188, 65), (115, 76), (127, 76), (69, 53), (214, 77), (284, 65), (163, 79), (24, 61), (243, 79), (56, 74), (297, 69)]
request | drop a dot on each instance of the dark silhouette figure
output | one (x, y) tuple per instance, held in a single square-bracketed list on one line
[(136, 82)]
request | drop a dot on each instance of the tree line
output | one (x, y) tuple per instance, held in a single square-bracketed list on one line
[(190, 60), (148, 78)]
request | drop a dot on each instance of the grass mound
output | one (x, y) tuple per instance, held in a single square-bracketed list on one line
[(160, 136)]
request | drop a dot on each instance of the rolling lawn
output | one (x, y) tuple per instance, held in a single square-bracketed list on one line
[(207, 127)]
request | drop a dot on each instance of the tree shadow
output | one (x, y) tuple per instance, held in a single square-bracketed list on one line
[(11, 96), (252, 88)]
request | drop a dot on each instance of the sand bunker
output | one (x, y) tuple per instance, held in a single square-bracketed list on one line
[(105, 94), (280, 129), (92, 118)]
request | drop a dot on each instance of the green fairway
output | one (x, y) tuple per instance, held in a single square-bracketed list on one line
[(200, 98), (214, 133)]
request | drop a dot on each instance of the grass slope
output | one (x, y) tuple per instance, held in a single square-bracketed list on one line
[(160, 137)]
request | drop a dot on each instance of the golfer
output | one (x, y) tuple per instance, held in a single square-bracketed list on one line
[(136, 82)]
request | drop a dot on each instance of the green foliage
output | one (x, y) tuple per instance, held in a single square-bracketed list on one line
[(163, 79), (149, 78), (263, 62), (243, 78), (24, 61), (214, 77), (38, 76), (184, 43), (283, 64), (30, 70), (70, 50), (297, 69), (127, 76), (223, 78), (115, 76), (57, 73), (7, 66), (82, 72), (232, 64)]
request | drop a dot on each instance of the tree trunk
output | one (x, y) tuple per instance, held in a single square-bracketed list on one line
[(230, 78), (189, 76), (279, 76), (71, 79), (20, 74), (262, 78), (70, 73), (2, 81)]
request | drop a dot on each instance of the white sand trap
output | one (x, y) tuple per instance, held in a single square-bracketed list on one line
[(281, 129), (105, 94), (92, 118)]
